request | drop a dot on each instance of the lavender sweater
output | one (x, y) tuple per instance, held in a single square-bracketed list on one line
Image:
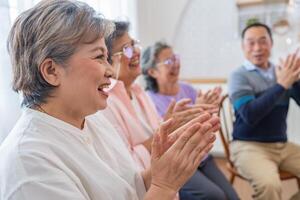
[(162, 102)]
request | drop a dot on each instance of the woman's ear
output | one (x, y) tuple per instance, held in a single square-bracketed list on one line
[(51, 72), (152, 72)]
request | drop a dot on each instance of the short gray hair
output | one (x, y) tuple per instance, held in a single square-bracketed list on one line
[(121, 27), (149, 60), (51, 29)]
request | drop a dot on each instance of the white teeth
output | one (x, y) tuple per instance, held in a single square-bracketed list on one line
[(135, 62), (103, 87)]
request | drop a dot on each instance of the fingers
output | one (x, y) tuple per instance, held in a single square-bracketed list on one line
[(183, 102), (288, 61), (294, 59), (181, 118), (164, 130), (185, 137), (204, 146), (160, 139), (199, 119), (210, 108), (170, 110), (156, 147), (199, 93), (203, 117), (213, 97), (219, 89), (297, 73), (206, 95), (281, 62), (199, 154), (278, 70), (189, 112), (215, 122), (212, 111), (197, 141), (204, 106), (185, 120)]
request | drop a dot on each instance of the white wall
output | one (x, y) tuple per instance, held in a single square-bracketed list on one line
[(157, 19)]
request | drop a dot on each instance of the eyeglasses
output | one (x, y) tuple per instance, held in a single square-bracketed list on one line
[(170, 61), (129, 49)]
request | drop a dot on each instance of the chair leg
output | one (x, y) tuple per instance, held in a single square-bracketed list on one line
[(232, 178)]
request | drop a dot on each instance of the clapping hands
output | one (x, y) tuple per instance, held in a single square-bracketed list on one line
[(175, 156), (183, 112), (210, 97), (288, 71)]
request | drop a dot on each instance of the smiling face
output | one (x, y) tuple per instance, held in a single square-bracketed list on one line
[(166, 72), (85, 77), (257, 45), (129, 67)]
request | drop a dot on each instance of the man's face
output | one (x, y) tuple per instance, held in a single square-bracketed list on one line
[(257, 45)]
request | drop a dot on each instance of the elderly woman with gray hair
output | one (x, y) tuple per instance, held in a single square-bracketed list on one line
[(58, 149), (161, 69), (129, 108)]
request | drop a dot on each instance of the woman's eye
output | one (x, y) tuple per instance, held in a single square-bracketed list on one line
[(101, 58)]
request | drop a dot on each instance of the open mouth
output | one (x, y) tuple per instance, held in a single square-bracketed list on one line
[(104, 88), (134, 62)]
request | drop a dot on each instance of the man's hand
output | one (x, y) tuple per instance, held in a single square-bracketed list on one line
[(288, 71)]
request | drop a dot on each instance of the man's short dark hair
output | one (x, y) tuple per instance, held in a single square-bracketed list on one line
[(257, 24)]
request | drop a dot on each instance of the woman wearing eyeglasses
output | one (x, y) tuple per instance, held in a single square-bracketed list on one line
[(162, 79), (161, 68), (129, 108)]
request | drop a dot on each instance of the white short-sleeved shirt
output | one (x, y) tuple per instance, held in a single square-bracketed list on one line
[(46, 158)]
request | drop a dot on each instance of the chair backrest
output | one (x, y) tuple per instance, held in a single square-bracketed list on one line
[(227, 118), (226, 115)]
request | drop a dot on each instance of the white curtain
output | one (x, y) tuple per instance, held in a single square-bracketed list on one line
[(9, 9), (9, 101)]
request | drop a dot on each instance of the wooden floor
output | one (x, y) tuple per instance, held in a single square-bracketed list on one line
[(244, 190)]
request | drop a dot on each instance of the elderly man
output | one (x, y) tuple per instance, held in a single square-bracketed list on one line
[(260, 93)]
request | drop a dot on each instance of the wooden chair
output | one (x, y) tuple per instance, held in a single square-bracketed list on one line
[(226, 114)]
